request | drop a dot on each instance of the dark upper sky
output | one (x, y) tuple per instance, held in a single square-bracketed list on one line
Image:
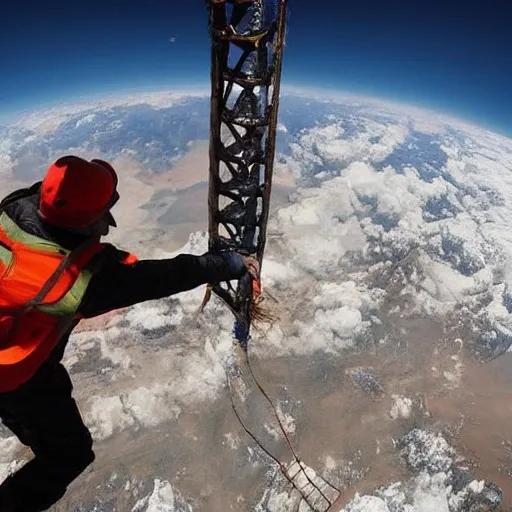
[(453, 56)]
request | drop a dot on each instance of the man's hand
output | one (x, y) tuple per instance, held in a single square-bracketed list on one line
[(239, 264), (253, 266)]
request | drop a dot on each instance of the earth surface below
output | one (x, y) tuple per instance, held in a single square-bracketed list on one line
[(387, 266)]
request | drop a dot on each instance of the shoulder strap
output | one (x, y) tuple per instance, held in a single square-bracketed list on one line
[(65, 322), (64, 264)]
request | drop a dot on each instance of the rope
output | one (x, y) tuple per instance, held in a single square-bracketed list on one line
[(280, 464)]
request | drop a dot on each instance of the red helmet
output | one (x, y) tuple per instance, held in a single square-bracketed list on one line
[(76, 193)]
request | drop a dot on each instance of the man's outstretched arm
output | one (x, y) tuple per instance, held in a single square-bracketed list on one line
[(118, 284)]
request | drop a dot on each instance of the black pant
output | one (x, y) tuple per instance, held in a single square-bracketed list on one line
[(44, 416)]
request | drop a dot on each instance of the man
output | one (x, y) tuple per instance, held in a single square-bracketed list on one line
[(54, 271)]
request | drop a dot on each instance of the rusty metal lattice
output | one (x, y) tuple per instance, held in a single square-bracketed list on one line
[(247, 49)]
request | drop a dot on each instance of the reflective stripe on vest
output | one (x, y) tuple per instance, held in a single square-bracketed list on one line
[(28, 265), (70, 302)]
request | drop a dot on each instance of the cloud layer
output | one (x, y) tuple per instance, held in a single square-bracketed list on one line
[(398, 214)]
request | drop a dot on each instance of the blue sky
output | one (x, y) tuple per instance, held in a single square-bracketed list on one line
[(452, 56)]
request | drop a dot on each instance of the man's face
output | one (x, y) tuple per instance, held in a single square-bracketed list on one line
[(100, 228)]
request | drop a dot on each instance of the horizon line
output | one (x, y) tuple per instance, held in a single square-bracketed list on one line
[(328, 93)]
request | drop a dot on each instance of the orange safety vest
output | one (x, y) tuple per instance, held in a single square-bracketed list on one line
[(41, 287)]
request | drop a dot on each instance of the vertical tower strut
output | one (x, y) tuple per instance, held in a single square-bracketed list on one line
[(247, 51)]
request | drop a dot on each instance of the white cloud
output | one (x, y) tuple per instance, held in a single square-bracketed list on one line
[(347, 293), (164, 498), (90, 118), (141, 398), (151, 406), (8, 448), (368, 504), (287, 420), (402, 407), (373, 214), (49, 119), (106, 416), (232, 441), (153, 315)]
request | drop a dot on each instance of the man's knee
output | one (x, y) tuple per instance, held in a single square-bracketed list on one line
[(66, 468), (81, 462), (71, 456), (85, 457), (79, 458)]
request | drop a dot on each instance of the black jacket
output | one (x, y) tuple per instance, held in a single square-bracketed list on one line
[(115, 284)]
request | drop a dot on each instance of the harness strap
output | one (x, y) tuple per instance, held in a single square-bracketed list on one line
[(70, 258)]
